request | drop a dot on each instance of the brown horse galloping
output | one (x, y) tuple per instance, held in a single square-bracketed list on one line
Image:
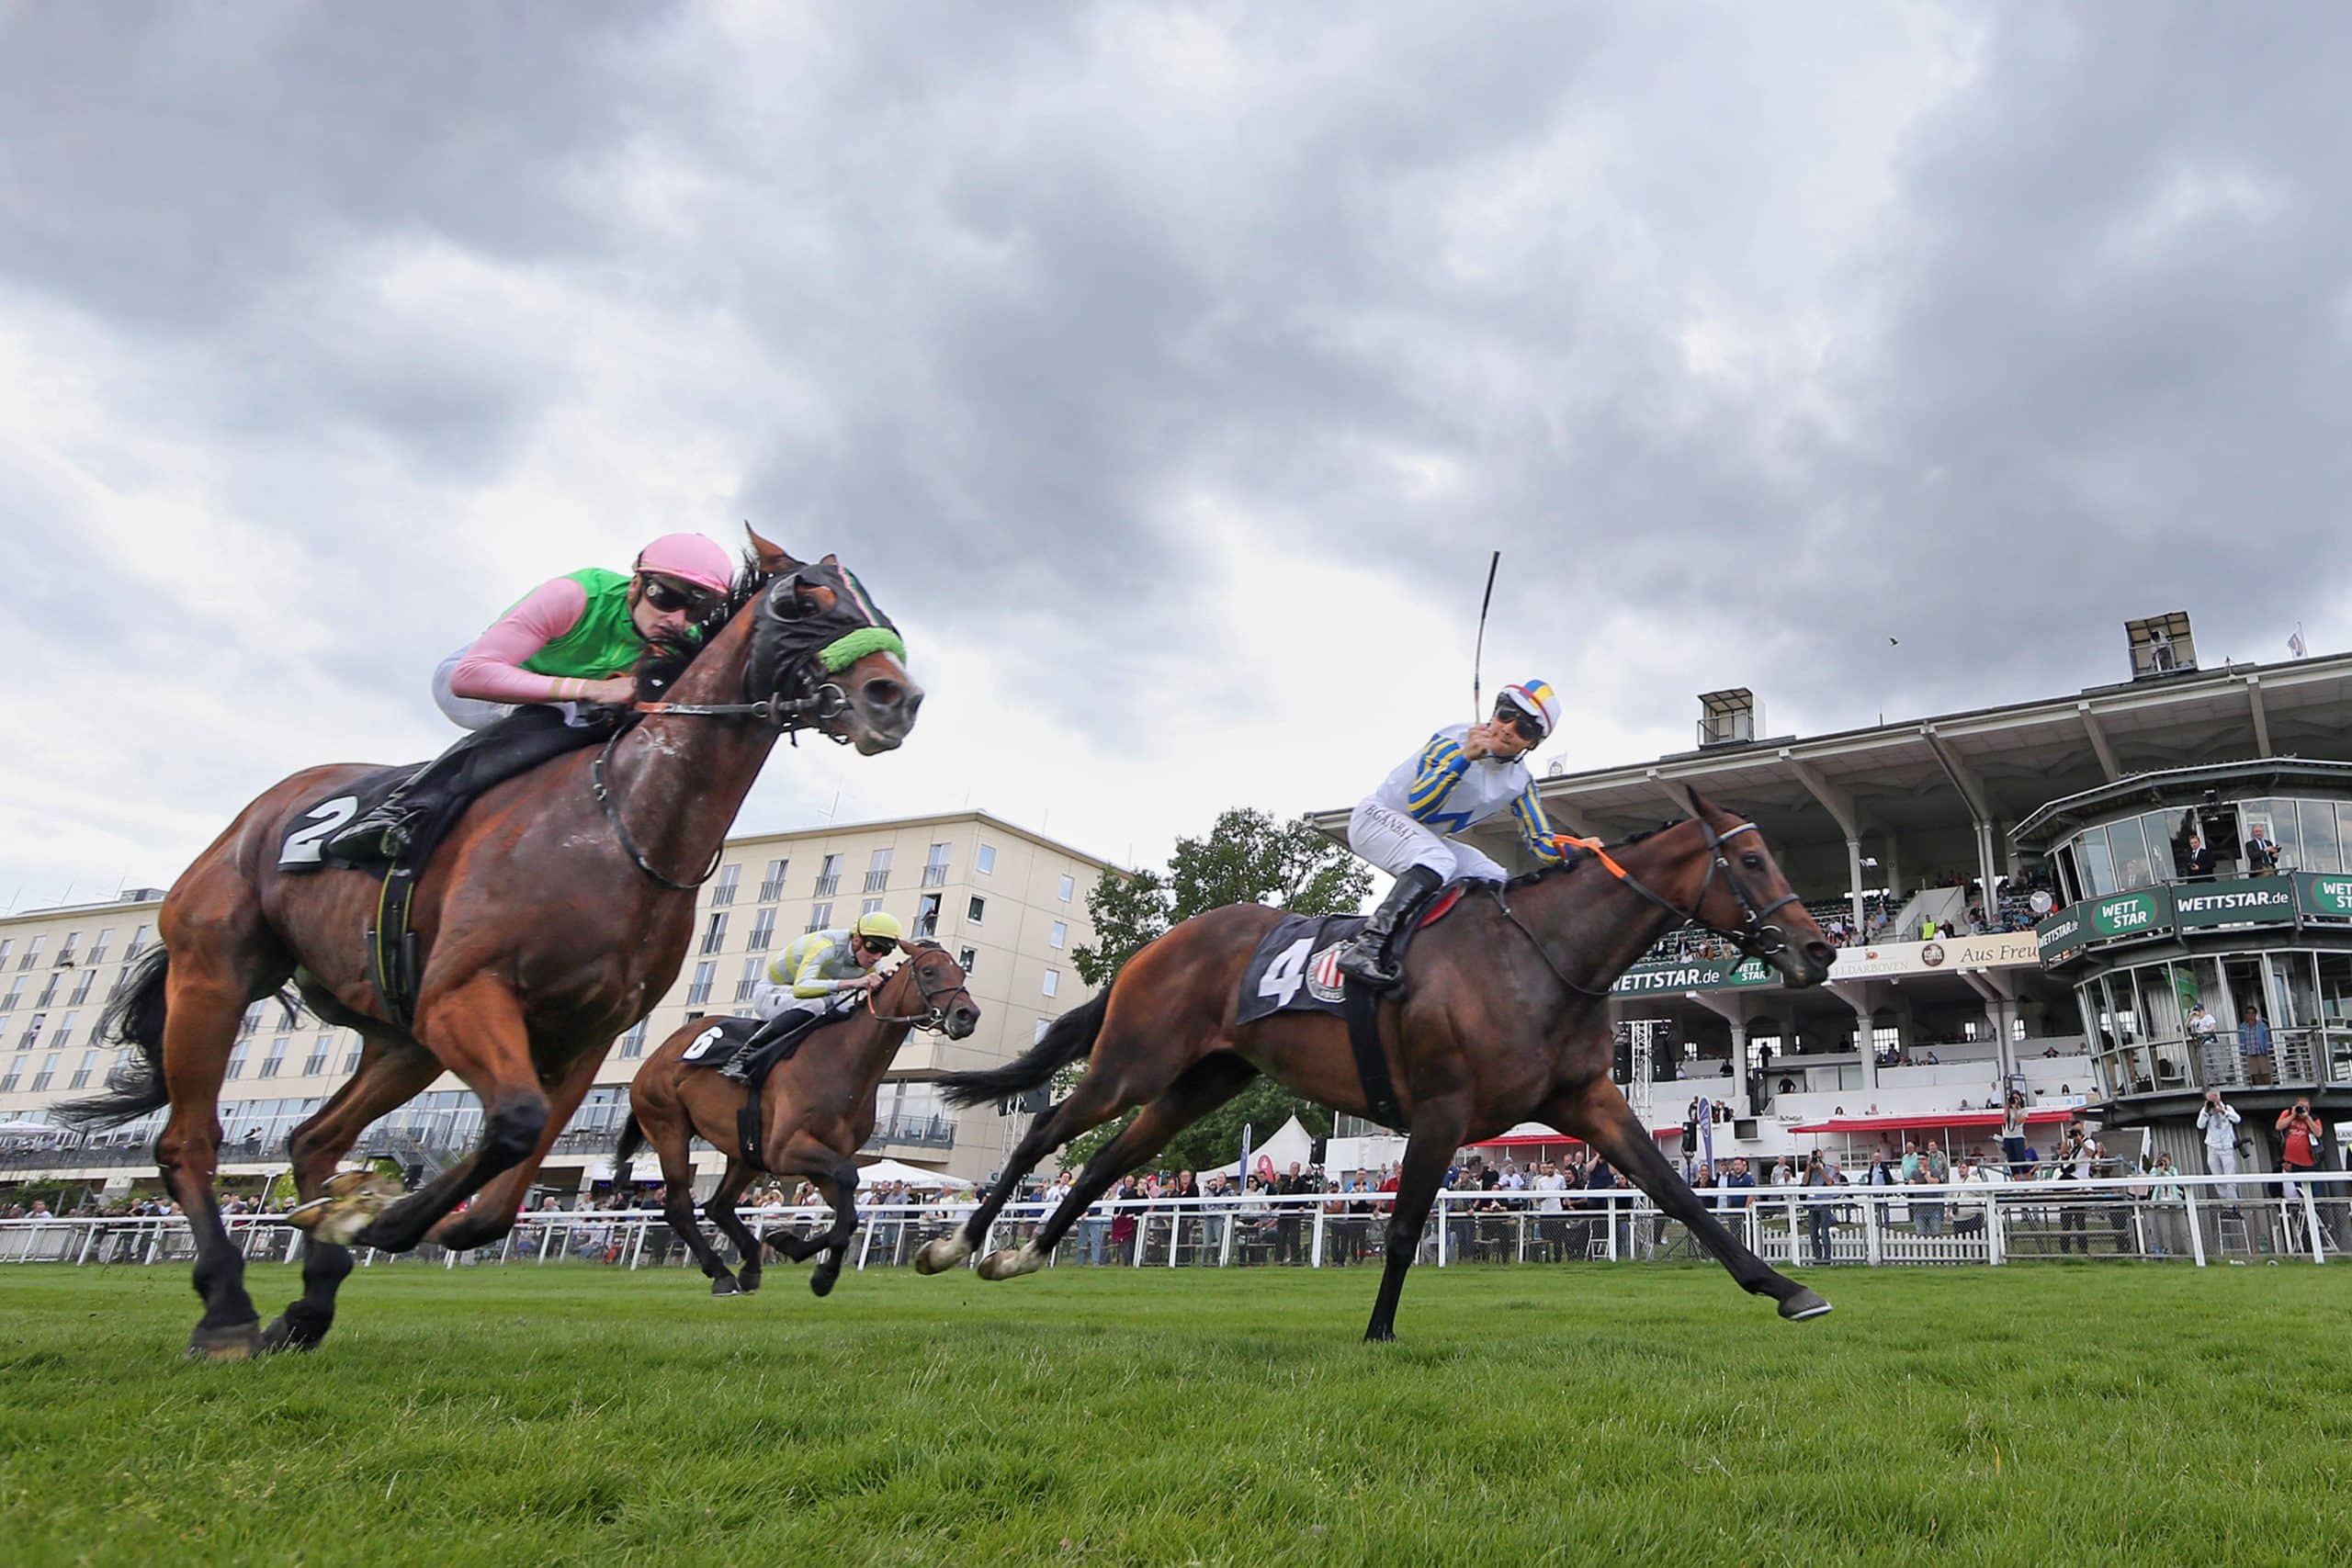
[(1503, 1019), (554, 915), (817, 1112)]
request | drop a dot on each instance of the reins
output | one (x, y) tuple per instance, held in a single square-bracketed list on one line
[(933, 1016), (1754, 937)]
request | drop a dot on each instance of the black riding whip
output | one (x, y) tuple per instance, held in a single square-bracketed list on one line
[(1478, 658)]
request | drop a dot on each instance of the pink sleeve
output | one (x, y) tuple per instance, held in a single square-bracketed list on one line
[(491, 671)]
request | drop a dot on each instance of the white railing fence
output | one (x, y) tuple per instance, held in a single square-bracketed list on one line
[(2199, 1219)]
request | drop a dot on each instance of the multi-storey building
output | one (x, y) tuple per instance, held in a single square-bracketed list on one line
[(1012, 905)]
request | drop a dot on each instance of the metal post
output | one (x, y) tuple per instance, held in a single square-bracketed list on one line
[(636, 1246), (1522, 1235), (1175, 1234), (1443, 1228), (1996, 1240), (865, 1246), (2196, 1231), (1873, 1242), (1225, 1244), (1315, 1251), (1610, 1221), (1143, 1229), (547, 1235), (1794, 1254), (89, 1239), (2310, 1217)]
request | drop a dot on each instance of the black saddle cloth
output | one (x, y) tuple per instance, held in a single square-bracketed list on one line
[(721, 1041)]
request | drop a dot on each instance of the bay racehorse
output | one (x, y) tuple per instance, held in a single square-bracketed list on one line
[(816, 1112), (554, 915), (1503, 1019)]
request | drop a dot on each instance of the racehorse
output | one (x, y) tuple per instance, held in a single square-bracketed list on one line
[(816, 1112), (1503, 1019), (554, 915)]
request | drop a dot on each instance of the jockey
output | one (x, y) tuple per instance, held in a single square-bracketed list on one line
[(566, 647), (825, 970), (1464, 775)]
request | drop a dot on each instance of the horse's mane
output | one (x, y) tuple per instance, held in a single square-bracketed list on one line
[(1565, 866), (666, 659)]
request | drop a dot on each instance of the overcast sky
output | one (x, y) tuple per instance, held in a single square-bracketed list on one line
[(1167, 372)]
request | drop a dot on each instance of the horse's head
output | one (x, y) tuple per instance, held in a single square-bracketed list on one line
[(1743, 896), (824, 652), (929, 988)]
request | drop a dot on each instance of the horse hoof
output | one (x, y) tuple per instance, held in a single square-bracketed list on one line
[(282, 1335), (940, 1255), (1009, 1263), (724, 1286), (820, 1284), (345, 1206), (235, 1342), (1802, 1306), (747, 1283)]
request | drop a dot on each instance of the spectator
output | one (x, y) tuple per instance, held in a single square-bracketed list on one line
[(1820, 1211), (2254, 1045), (1742, 1181), (2261, 854), (2219, 1123), (2169, 1200), (2302, 1132), (2197, 865)]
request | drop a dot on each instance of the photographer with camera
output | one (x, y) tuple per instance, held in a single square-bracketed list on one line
[(2302, 1134), (2219, 1124)]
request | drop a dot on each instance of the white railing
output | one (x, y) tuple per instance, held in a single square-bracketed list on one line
[(2212, 1219)]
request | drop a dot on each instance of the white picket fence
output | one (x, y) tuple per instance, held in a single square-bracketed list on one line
[(2213, 1219)]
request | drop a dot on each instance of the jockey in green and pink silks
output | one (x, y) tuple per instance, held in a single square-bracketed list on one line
[(565, 648)]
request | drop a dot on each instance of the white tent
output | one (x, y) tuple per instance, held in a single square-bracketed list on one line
[(1291, 1144), (888, 1171)]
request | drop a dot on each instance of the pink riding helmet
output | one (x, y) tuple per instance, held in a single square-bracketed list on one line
[(689, 558)]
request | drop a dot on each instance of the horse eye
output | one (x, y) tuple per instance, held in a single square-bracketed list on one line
[(1752, 862)]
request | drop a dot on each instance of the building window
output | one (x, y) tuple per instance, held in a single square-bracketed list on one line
[(869, 906), (236, 1068), (288, 1015), (976, 909), (48, 991), (828, 877), (48, 1070), (820, 917), (8, 1079), (99, 948), (65, 1036), (751, 969), (251, 1021), (81, 987), (878, 871), (1058, 937), (927, 915), (351, 1056), (8, 946), (82, 1074), (1069, 886), (714, 934), (771, 884), (31, 1037), (316, 1062), (16, 994), (967, 959), (1052, 984), (762, 935), (722, 892), (634, 1041), (699, 992), (136, 945), (935, 867), (32, 953), (65, 952), (276, 1058), (1038, 1033), (984, 860)]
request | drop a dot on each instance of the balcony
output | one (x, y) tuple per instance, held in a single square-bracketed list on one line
[(878, 881), (935, 877), (2315, 1058), (827, 886)]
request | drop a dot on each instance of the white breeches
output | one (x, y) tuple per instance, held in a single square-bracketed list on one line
[(770, 1000), (473, 712), (1395, 842)]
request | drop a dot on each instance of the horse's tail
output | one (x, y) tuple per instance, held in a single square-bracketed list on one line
[(1071, 1037), (632, 1139), (134, 1016)]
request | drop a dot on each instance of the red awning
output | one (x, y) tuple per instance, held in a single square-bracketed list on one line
[(1975, 1119)]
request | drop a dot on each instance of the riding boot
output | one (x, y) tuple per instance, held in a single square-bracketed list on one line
[(516, 744), (1365, 960), (741, 1066)]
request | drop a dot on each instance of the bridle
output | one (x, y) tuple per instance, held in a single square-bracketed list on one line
[(794, 654), (933, 1015), (1756, 938)]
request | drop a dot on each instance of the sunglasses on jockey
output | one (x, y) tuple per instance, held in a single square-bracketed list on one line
[(1529, 728), (880, 946), (670, 597)]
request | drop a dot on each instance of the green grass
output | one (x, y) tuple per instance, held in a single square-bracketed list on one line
[(2048, 1415)]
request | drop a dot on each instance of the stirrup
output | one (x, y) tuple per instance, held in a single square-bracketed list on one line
[(381, 835), (1369, 963)]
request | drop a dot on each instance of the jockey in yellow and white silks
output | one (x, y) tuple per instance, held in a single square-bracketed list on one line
[(823, 971), (1464, 774)]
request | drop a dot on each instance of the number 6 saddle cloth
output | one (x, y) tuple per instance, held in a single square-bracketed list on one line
[(1296, 967)]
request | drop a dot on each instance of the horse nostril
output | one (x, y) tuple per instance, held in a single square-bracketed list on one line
[(884, 693), (1821, 953)]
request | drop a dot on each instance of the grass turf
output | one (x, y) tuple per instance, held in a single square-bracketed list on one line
[(2046, 1414)]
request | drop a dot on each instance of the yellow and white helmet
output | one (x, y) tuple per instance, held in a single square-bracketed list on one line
[(882, 927)]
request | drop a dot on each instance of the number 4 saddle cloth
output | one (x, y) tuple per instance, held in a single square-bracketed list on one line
[(1296, 967)]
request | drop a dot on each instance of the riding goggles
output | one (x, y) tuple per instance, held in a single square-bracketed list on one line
[(669, 597), (1529, 728), (880, 946)]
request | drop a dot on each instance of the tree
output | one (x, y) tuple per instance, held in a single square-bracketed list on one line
[(1246, 857)]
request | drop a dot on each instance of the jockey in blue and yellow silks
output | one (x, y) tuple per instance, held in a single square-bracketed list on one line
[(1464, 774)]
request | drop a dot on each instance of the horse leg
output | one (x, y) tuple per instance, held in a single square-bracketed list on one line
[(1439, 1126), (392, 1073), (204, 999), (491, 1214), (1600, 1113), (835, 1175), (673, 1142), (477, 1030), (722, 1211), (1199, 1089), (1094, 1101)]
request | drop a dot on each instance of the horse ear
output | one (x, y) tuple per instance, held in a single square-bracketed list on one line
[(831, 560), (774, 558), (1698, 806)]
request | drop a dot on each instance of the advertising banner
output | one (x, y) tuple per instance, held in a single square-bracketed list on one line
[(2062, 935), (2236, 902), (2326, 897), (1695, 975), (2127, 914)]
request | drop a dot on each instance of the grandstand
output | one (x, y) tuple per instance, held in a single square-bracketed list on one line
[(1925, 842)]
